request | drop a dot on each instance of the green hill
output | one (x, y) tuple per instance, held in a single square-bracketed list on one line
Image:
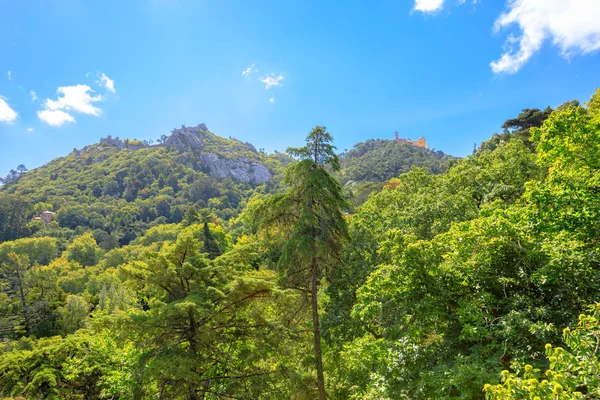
[(122, 187), (371, 163)]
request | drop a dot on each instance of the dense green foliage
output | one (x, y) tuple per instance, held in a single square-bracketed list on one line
[(119, 193), (368, 165), (570, 375), (15, 213), (157, 281), (520, 127), (458, 276)]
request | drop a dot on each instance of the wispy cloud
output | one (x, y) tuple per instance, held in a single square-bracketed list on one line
[(433, 6), (9, 75), (271, 80), (29, 130), (249, 71), (106, 82), (7, 114), (33, 95), (70, 99), (428, 6), (572, 25)]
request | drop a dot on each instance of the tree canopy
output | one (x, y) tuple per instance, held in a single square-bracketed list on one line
[(352, 276)]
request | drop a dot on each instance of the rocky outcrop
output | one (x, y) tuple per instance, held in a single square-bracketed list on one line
[(240, 169), (220, 158), (251, 147), (194, 143), (187, 138), (100, 159), (197, 139)]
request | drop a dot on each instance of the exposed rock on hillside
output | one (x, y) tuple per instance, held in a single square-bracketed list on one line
[(217, 156), (188, 137), (240, 169), (222, 158)]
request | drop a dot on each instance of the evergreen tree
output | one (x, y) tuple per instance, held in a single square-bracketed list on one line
[(210, 329), (15, 213), (191, 216), (210, 244), (21, 169), (12, 278), (310, 214)]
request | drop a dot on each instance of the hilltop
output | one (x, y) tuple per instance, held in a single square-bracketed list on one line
[(120, 187), (368, 165), (218, 157)]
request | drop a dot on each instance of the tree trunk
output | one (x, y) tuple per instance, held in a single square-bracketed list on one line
[(192, 395), (23, 304), (316, 332)]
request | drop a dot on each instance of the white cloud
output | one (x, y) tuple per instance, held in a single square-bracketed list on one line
[(7, 114), (76, 98), (33, 95), (107, 83), (29, 130), (571, 25), (271, 80), (272, 99), (9, 74), (249, 71), (428, 5), (55, 117)]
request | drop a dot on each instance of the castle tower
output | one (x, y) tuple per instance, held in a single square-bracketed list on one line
[(398, 140)]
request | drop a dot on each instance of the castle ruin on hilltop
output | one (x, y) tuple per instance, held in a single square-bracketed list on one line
[(419, 143), (122, 144)]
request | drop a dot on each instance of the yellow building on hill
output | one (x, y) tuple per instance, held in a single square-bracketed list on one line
[(419, 143)]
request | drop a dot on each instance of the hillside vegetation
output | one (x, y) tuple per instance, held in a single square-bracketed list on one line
[(474, 278), (118, 193), (368, 165)]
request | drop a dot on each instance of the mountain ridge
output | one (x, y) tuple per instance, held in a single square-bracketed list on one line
[(123, 187)]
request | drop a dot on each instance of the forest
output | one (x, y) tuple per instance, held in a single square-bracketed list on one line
[(385, 271)]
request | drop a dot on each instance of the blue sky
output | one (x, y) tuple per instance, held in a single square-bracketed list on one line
[(449, 70)]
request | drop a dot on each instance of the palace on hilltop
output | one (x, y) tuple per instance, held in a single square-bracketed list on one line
[(419, 143)]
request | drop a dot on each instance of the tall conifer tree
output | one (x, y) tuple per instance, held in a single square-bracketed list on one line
[(211, 247), (310, 214)]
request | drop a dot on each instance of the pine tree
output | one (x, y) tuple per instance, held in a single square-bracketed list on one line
[(21, 169), (13, 276), (191, 216), (310, 213), (210, 243)]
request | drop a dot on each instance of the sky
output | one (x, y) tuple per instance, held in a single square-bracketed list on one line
[(267, 72)]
